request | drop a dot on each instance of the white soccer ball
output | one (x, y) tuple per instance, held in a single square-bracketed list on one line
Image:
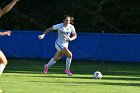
[(97, 75)]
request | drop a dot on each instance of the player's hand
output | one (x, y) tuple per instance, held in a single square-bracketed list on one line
[(8, 33), (69, 39), (41, 36)]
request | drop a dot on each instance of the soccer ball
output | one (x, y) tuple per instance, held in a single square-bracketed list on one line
[(97, 75)]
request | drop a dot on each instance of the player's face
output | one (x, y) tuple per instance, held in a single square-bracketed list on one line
[(67, 21)]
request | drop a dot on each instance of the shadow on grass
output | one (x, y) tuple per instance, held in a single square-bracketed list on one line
[(66, 76), (119, 84), (81, 70), (35, 66), (90, 77), (84, 83)]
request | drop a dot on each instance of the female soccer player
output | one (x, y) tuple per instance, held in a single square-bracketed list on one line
[(3, 60), (61, 44)]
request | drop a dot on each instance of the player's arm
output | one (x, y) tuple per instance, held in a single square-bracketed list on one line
[(8, 7), (74, 36), (8, 33), (45, 32)]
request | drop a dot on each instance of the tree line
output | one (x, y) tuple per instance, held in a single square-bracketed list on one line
[(111, 16)]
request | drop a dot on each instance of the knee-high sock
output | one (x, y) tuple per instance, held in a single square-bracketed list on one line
[(68, 63), (2, 66), (51, 62)]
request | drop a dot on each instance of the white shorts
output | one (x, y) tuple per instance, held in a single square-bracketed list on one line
[(59, 45)]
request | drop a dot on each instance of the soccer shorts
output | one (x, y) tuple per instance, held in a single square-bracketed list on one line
[(59, 45)]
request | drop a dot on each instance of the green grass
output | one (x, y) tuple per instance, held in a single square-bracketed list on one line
[(25, 76)]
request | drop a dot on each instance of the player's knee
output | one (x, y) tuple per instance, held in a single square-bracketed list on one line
[(5, 62), (70, 55), (56, 59)]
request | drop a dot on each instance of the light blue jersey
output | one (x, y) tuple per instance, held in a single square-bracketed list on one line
[(63, 34)]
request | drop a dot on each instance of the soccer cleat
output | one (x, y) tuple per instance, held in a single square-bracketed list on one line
[(45, 69), (68, 72)]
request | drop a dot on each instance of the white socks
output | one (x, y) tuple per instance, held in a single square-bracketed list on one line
[(68, 63), (2, 66), (51, 62)]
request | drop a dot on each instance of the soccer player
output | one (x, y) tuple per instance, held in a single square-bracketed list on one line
[(3, 60), (61, 44)]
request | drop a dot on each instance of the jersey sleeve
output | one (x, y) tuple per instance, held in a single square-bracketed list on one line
[(57, 26)]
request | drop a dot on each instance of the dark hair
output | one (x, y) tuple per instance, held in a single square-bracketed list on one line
[(71, 18)]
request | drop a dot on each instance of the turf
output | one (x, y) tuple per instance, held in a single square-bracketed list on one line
[(25, 76)]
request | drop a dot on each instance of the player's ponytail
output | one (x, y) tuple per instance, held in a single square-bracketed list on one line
[(71, 20)]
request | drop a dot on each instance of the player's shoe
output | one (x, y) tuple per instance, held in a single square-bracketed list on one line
[(45, 69), (68, 72)]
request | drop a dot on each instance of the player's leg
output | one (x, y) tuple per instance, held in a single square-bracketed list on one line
[(57, 56), (3, 62), (68, 53)]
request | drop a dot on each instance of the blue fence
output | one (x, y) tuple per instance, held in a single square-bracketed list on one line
[(108, 47)]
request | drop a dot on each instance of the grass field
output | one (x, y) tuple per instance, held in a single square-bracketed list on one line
[(25, 76)]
